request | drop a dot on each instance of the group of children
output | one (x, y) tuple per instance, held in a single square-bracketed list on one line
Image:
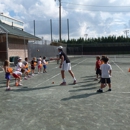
[(23, 68), (104, 70), (39, 63)]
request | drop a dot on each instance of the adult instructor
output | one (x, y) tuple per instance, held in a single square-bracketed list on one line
[(65, 65)]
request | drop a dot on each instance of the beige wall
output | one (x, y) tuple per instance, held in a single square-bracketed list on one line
[(17, 48)]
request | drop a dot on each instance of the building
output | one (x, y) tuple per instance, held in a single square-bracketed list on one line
[(11, 21), (14, 41)]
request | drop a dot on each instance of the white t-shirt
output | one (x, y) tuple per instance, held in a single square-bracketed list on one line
[(44, 62), (39, 62), (105, 68), (19, 66)]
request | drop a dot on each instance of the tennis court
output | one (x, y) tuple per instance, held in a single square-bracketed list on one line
[(41, 105)]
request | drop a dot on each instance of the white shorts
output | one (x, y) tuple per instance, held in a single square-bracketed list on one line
[(66, 66), (18, 73)]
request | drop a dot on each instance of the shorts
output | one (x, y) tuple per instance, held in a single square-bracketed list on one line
[(44, 66), (7, 76), (39, 67), (66, 66), (33, 68), (105, 80), (98, 71), (18, 73)]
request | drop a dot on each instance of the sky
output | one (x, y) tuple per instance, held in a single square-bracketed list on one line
[(87, 19)]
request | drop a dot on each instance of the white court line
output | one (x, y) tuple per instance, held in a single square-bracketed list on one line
[(57, 74), (118, 67)]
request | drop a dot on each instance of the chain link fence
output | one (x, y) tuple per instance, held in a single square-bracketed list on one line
[(43, 48), (99, 49)]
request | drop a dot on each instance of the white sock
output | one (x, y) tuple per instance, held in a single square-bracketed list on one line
[(74, 78), (64, 80)]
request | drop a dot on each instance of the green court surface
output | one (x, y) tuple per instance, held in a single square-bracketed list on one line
[(41, 105)]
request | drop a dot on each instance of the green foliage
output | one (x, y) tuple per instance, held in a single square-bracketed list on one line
[(109, 39)]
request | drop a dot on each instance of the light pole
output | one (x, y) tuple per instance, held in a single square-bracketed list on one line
[(126, 32), (59, 20), (85, 35)]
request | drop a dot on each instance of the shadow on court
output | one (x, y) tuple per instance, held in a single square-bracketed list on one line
[(88, 76), (80, 96), (26, 88), (82, 89), (87, 85)]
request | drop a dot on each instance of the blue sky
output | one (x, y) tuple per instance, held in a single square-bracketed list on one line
[(95, 18)]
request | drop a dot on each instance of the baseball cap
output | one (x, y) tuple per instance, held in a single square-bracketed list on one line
[(60, 47), (19, 58)]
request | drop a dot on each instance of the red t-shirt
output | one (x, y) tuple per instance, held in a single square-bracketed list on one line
[(98, 63)]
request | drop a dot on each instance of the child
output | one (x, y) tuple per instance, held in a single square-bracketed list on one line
[(44, 64), (7, 73), (27, 70), (33, 64), (17, 75), (106, 70), (102, 62), (20, 65), (39, 65), (97, 67)]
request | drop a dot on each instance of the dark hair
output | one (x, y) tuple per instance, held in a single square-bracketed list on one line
[(98, 57), (44, 57), (22, 70), (103, 56), (105, 59), (26, 59), (6, 63)]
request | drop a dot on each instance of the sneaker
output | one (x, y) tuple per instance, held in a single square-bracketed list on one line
[(32, 74), (63, 83), (74, 82), (95, 79), (19, 84), (8, 89), (29, 76), (25, 78), (99, 91), (109, 89)]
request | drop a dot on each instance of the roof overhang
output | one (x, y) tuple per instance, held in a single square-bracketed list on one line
[(26, 38)]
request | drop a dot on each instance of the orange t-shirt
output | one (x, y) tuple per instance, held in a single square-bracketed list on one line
[(102, 62)]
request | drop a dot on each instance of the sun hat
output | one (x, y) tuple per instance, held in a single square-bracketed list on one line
[(60, 47), (19, 58)]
